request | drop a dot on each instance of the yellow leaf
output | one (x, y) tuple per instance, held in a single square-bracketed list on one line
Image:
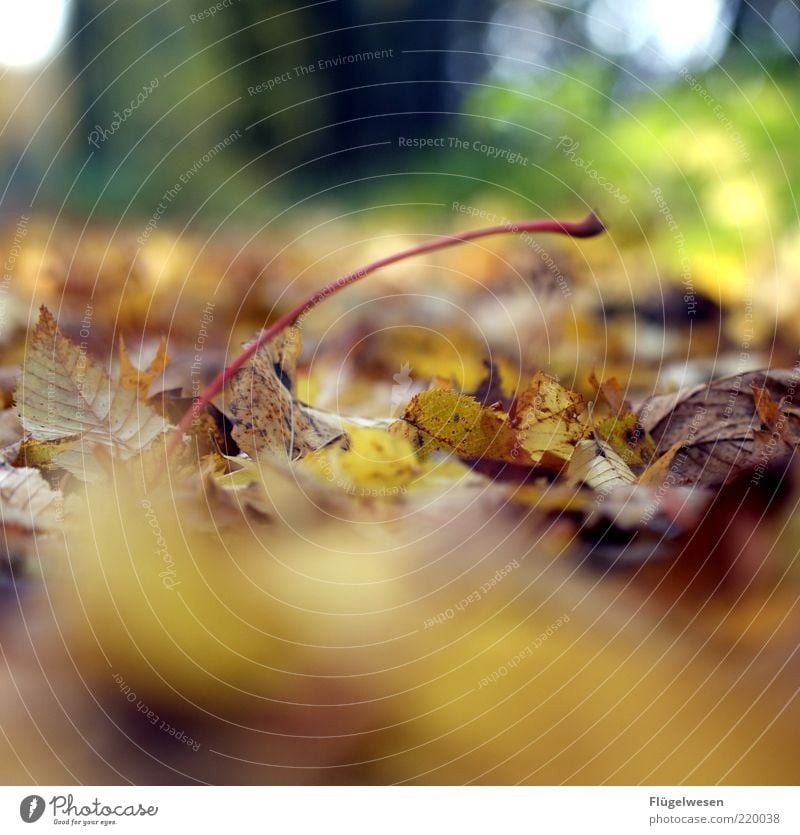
[(376, 463), (546, 419), (659, 471), (131, 377), (460, 424)]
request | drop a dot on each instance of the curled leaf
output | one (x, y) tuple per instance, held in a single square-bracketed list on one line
[(267, 417), (720, 425)]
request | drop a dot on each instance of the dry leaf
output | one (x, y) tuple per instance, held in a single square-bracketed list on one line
[(718, 424), (267, 417), (659, 471), (459, 423), (62, 393), (133, 378), (546, 419), (610, 392), (630, 440), (597, 465)]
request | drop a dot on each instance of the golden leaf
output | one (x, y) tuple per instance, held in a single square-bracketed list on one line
[(135, 379), (659, 471), (376, 463), (546, 419), (459, 423), (62, 393)]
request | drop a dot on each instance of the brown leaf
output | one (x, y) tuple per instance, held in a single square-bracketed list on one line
[(267, 417), (610, 392), (719, 424)]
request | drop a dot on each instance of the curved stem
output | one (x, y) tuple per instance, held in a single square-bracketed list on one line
[(588, 227)]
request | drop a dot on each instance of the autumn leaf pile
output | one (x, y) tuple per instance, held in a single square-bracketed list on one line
[(345, 576)]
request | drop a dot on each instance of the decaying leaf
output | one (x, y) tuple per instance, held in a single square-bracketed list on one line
[(719, 423), (460, 424), (621, 428), (546, 417), (62, 392), (597, 465), (629, 439), (267, 417), (135, 379)]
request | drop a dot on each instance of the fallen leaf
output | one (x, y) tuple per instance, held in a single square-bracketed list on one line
[(458, 423), (62, 392), (135, 379), (719, 424), (629, 439), (267, 418), (376, 463), (27, 500), (659, 471), (610, 392), (596, 464), (545, 417)]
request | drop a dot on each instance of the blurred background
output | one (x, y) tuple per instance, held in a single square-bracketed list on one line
[(106, 107)]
